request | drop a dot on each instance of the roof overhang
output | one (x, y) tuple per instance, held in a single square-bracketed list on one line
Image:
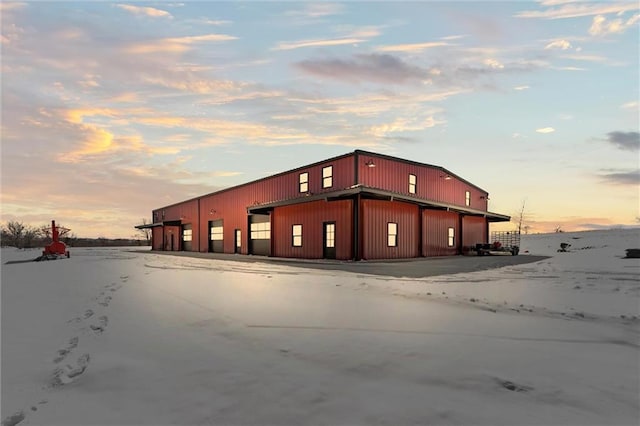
[(148, 225), (155, 225), (380, 194)]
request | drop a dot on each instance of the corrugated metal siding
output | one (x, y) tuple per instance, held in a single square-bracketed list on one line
[(187, 213), (375, 214), (431, 183), (312, 216), (172, 238), (435, 232), (156, 238), (232, 205), (474, 230)]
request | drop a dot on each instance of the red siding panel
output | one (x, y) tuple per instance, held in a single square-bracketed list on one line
[(432, 184), (474, 230), (232, 205), (435, 232), (375, 214), (312, 216), (156, 238)]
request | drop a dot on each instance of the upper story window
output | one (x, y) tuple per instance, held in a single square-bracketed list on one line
[(304, 182), (412, 184), (467, 198), (327, 177)]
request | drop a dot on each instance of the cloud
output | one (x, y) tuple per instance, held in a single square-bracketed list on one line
[(521, 87), (176, 44), (412, 47), (546, 130), (401, 125), (575, 10), (317, 10), (630, 105), (622, 177), (11, 5), (626, 141), (559, 44), (600, 25), (317, 43), (379, 68), (587, 58), (146, 11)]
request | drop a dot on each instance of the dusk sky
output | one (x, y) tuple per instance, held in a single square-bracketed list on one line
[(112, 109)]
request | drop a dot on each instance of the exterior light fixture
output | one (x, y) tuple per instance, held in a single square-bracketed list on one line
[(445, 177), (484, 197), (370, 163)]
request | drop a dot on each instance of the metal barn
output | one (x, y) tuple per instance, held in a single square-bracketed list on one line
[(360, 205)]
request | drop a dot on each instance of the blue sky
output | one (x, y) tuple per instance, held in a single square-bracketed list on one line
[(110, 109)]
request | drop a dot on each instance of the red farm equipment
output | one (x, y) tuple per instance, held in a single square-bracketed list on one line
[(57, 248)]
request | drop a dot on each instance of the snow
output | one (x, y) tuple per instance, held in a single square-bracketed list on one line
[(113, 337)]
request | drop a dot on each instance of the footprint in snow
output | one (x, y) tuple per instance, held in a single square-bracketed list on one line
[(106, 301), (62, 353), (102, 324), (67, 374), (13, 419)]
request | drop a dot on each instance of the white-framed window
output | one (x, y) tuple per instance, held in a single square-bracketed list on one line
[(187, 234), (412, 184), (217, 233), (451, 237), (304, 182), (327, 177), (296, 233), (261, 231), (330, 235), (392, 234), (467, 198)]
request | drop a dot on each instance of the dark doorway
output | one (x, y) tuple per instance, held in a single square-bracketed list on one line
[(260, 234), (216, 236), (238, 243), (329, 240), (187, 237)]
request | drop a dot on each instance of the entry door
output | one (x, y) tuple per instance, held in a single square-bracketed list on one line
[(238, 244), (329, 240)]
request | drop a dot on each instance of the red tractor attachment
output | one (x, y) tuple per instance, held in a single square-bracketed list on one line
[(57, 248)]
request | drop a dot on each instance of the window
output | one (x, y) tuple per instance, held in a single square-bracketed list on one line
[(412, 184), (261, 231), (304, 182), (217, 233), (330, 235), (467, 198), (392, 234), (327, 177), (187, 234), (297, 235), (451, 241)]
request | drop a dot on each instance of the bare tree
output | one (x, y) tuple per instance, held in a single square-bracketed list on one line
[(521, 217), (15, 231), (145, 232), (29, 236)]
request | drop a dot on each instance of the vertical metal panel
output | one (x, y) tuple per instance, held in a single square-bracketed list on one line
[(473, 230), (312, 216), (375, 216), (432, 183), (172, 236), (435, 236), (232, 205), (156, 238)]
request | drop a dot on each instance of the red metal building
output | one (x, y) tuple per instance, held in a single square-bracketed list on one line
[(360, 205)]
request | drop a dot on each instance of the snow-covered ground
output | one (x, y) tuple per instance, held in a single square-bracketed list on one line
[(111, 337)]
